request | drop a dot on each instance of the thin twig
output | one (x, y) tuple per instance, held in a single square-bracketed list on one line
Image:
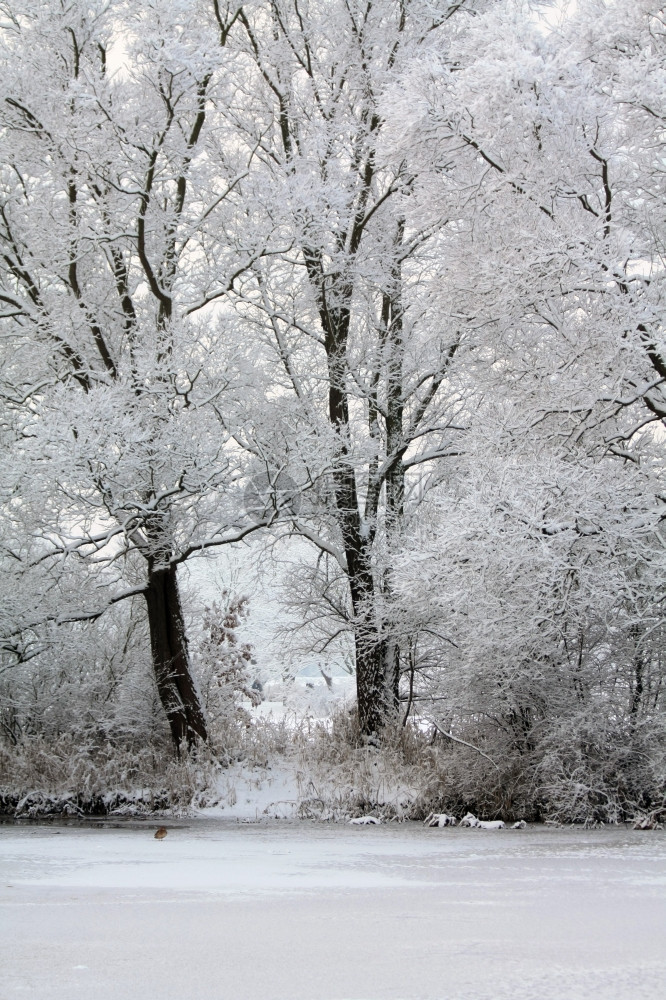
[(464, 743)]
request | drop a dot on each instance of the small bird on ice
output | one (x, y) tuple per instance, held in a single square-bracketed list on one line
[(161, 833)]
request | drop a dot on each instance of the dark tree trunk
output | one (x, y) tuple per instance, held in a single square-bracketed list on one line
[(391, 671), (370, 685), (333, 300), (377, 653), (639, 671), (374, 707), (175, 683), (373, 704), (395, 447)]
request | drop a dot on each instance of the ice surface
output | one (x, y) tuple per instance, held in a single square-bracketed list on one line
[(304, 912)]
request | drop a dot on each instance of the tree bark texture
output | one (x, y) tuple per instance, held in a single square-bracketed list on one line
[(175, 683), (392, 316)]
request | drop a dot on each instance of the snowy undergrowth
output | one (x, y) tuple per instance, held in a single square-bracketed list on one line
[(321, 771), (287, 768), (63, 776), (296, 767)]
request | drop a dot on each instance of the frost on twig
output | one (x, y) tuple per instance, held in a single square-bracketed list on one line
[(464, 743)]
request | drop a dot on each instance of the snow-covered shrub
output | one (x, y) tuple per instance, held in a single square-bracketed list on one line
[(224, 670), (529, 592), (602, 769), (82, 730), (67, 776), (90, 681)]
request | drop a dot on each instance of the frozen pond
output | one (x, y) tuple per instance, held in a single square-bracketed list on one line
[(305, 912)]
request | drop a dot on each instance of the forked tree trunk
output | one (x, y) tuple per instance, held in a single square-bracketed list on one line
[(377, 677), (175, 683)]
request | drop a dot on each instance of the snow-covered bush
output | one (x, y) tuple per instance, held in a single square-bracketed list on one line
[(529, 589), (89, 680), (68, 776), (224, 664)]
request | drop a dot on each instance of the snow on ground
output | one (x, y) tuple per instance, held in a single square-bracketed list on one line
[(320, 912), (257, 793)]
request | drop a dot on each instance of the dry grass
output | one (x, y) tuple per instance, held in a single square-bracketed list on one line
[(410, 776)]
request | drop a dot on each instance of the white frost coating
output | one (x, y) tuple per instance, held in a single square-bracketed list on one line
[(482, 824), (365, 821), (470, 821), (440, 819)]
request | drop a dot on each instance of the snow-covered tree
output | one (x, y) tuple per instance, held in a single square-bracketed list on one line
[(120, 239), (543, 149), (341, 241), (532, 595), (529, 589), (365, 365)]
